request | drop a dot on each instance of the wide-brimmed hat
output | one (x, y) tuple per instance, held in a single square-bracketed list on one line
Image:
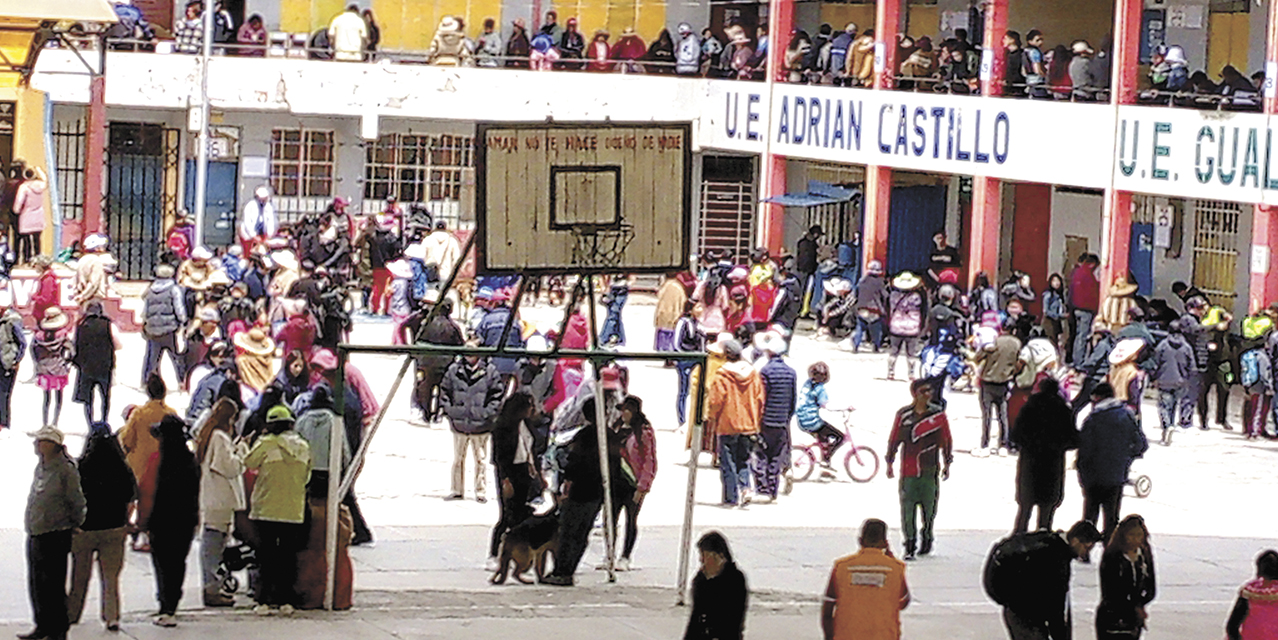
[(837, 286), (1081, 46), (48, 432), (771, 342), (262, 192), (906, 281), (875, 268), (201, 253), (255, 342), (1122, 288), (95, 242), (54, 319), (628, 31), (400, 269), (720, 340), (740, 38), (285, 259), (218, 279), (1125, 350)]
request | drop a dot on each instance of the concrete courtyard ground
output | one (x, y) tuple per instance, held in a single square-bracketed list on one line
[(424, 578)]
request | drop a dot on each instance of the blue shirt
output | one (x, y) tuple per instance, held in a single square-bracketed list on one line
[(811, 400)]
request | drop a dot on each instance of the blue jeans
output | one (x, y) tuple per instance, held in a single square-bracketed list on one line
[(684, 369), (863, 327), (613, 328), (1082, 334), (1169, 400), (734, 466)]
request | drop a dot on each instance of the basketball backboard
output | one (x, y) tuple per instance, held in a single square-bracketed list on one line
[(583, 198)]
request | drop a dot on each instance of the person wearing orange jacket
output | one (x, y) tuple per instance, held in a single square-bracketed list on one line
[(735, 411)]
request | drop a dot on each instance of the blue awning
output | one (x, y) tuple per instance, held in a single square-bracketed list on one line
[(819, 193)]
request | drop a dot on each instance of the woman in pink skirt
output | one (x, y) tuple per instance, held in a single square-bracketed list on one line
[(52, 350)]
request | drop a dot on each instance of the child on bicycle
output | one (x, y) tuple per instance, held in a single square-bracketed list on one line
[(812, 399)]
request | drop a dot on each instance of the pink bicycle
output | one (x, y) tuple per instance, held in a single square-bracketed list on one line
[(860, 462)]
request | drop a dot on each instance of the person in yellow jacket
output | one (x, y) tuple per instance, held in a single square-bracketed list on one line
[(867, 591), (282, 458)]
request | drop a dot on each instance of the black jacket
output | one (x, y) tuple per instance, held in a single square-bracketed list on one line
[(177, 491), (94, 347), (108, 484), (442, 331), (1029, 573), (1044, 431), (805, 258), (718, 606), (1125, 586), (1107, 444)]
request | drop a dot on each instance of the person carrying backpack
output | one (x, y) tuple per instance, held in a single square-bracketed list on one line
[(1257, 380), (907, 312), (1029, 575), (13, 345), (1174, 375)]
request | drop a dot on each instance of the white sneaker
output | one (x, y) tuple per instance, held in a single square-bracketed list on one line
[(623, 564), (1002, 452), (491, 565), (980, 452), (286, 609), (263, 610), (164, 620)]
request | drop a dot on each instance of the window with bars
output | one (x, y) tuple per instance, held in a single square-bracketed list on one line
[(1216, 250), (69, 146), (417, 168), (302, 162)]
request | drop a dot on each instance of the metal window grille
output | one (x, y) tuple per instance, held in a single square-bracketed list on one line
[(1216, 250), (69, 147), (433, 171), (727, 217), (302, 163)]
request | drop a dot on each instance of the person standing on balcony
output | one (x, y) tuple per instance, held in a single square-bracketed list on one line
[(189, 31), (860, 69), (252, 37), (1014, 70), (374, 33), (840, 47), (448, 49), (518, 48), (571, 45), (628, 52), (687, 52), (1080, 75), (1034, 67), (348, 35), (661, 54), (551, 27), (488, 49), (599, 52)]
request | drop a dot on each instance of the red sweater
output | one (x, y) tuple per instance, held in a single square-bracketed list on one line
[(1084, 289)]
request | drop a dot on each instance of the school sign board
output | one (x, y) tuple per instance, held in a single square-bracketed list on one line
[(1213, 155)]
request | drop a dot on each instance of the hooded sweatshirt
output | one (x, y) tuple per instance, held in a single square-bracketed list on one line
[(1173, 363), (736, 399)]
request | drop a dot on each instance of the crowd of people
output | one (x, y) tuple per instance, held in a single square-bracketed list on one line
[(252, 331), (1074, 71)]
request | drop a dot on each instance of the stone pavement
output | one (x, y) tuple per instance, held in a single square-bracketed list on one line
[(424, 579)]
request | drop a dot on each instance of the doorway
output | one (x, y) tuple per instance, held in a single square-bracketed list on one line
[(917, 213), (219, 201), (136, 187)]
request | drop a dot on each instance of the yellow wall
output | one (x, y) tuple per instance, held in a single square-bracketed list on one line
[(1063, 22), (839, 15), (28, 140), (410, 24), (1228, 37)]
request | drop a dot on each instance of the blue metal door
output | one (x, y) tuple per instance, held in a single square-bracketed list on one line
[(219, 204), (1140, 257), (917, 213)]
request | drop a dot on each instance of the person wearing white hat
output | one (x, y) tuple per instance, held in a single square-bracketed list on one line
[(258, 220), (1125, 376), (163, 315), (55, 508), (93, 270), (779, 399)]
